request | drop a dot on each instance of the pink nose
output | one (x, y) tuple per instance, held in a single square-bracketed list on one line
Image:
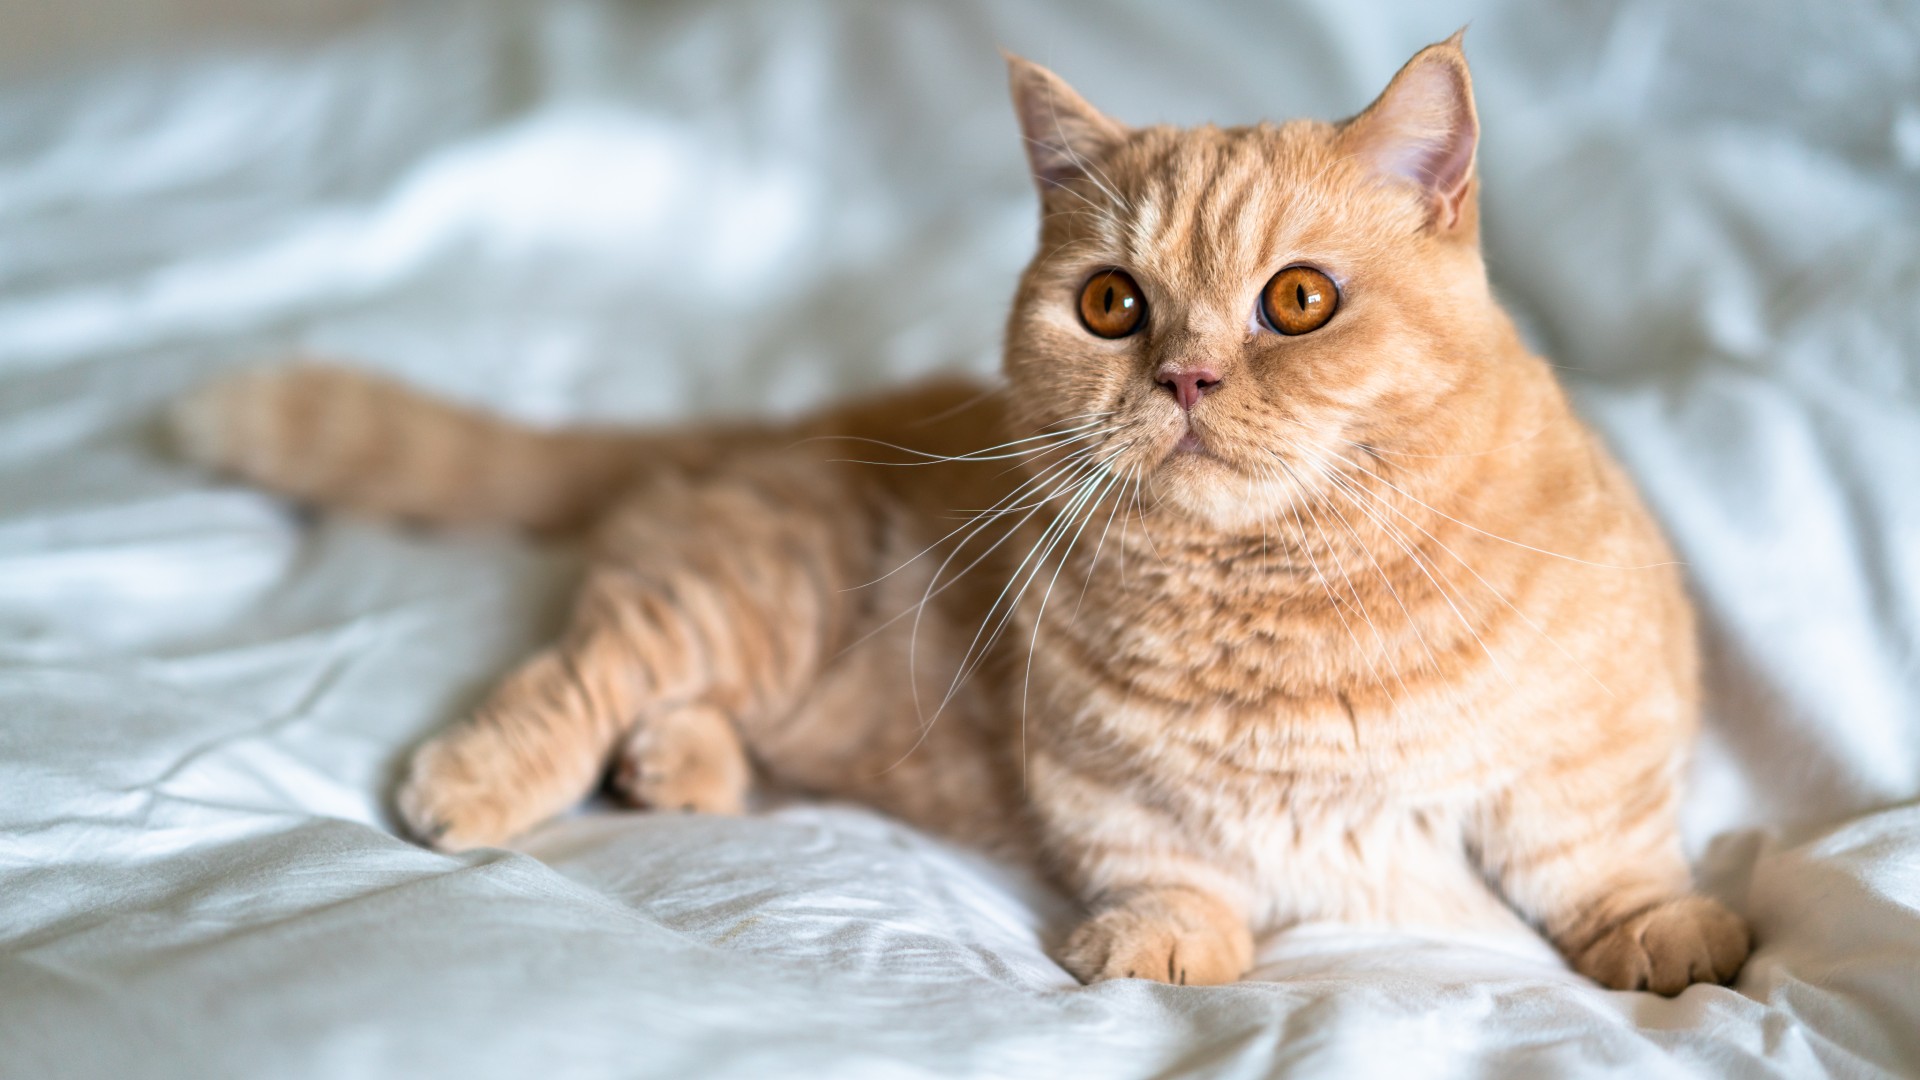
[(1187, 384)]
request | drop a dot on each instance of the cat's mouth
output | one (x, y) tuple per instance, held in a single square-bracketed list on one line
[(1182, 446), (1192, 443)]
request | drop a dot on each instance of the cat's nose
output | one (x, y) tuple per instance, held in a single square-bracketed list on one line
[(1186, 384)]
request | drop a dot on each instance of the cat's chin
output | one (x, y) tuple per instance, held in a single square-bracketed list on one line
[(1206, 489)]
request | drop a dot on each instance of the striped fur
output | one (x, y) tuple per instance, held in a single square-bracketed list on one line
[(1400, 644)]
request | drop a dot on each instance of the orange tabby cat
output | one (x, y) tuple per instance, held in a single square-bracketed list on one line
[(1307, 597)]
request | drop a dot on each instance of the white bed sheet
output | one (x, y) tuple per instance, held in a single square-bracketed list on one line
[(1709, 213)]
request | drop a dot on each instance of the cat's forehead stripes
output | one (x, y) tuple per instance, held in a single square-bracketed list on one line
[(1204, 207)]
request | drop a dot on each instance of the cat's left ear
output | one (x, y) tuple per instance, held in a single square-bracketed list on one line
[(1065, 136), (1422, 130)]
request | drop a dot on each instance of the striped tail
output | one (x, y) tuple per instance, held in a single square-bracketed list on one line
[(347, 439)]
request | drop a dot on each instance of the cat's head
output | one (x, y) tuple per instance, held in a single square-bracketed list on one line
[(1227, 307)]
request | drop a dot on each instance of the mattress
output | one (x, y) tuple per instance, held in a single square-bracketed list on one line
[(1707, 213)]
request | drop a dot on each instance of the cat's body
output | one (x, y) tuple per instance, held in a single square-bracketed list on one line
[(1354, 622)]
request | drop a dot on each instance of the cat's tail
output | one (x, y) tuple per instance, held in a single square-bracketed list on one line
[(344, 438)]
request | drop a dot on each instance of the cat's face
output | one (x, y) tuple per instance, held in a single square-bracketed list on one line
[(1229, 308)]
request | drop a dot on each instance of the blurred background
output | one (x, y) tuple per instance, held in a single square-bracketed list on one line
[(1706, 212), (45, 34)]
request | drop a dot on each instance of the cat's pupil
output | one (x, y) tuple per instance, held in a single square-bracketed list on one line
[(1300, 296), (1109, 299)]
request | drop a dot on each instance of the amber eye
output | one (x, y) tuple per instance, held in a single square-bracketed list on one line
[(1299, 299), (1111, 304)]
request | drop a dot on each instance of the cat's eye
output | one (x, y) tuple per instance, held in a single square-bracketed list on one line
[(1111, 304), (1298, 300)]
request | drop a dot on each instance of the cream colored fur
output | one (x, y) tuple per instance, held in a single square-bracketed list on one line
[(1375, 631)]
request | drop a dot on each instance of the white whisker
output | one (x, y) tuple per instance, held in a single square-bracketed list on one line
[(926, 722), (1094, 563), (1033, 637), (1326, 586), (1341, 564), (1422, 566), (1049, 441), (994, 511), (1385, 578), (1497, 594), (1505, 540), (1521, 441)]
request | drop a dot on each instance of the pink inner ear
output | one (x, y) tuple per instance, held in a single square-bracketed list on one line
[(1422, 130), (1063, 133), (1050, 136)]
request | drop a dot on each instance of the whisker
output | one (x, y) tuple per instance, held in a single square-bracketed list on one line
[(1385, 578), (1307, 547), (1427, 566), (913, 647), (1082, 457), (973, 527), (1033, 638), (1065, 484), (1521, 441), (1066, 476), (1141, 513), (1497, 594), (989, 513), (1422, 565), (1094, 563), (1505, 540), (1341, 564), (1049, 439), (1049, 537)]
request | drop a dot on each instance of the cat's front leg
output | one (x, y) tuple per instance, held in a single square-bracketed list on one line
[(536, 746), (683, 757), (1157, 908), (1591, 854)]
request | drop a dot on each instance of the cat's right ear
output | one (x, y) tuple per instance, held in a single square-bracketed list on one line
[(1065, 136)]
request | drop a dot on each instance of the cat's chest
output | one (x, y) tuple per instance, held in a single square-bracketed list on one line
[(1278, 756), (1246, 627), (1320, 814), (1230, 638), (1240, 670)]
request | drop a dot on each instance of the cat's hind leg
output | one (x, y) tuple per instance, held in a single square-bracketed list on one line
[(710, 602)]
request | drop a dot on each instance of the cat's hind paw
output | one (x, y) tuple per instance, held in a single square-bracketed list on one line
[(687, 758)]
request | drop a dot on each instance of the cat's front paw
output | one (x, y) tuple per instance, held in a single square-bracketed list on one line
[(1173, 936), (446, 806), (689, 759), (1669, 947)]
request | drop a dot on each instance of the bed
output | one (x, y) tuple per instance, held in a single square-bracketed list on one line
[(1708, 213)]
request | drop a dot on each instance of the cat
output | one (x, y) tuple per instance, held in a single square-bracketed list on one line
[(1292, 587)]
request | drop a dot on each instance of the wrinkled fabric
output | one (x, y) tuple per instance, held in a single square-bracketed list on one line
[(1707, 213)]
